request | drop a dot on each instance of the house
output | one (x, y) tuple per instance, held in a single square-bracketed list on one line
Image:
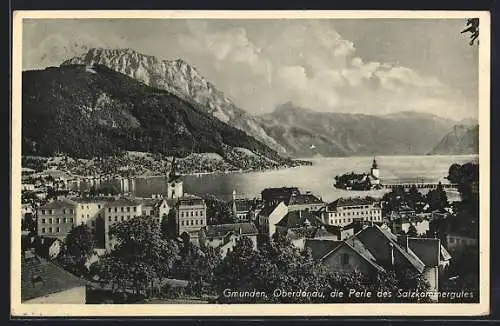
[(374, 249), (56, 218), (242, 208), (27, 187), (320, 247), (274, 196), (118, 210), (191, 214), (403, 224), (26, 209), (224, 236), (460, 240), (45, 282), (307, 201), (157, 208), (269, 216), (344, 211), (48, 247)]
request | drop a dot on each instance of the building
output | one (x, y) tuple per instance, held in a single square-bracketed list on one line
[(460, 240), (27, 187), (402, 225), (242, 208), (56, 218), (224, 236), (118, 210), (157, 208), (344, 211), (174, 183), (307, 201), (191, 215), (269, 216), (374, 173), (376, 250), (45, 282), (274, 196)]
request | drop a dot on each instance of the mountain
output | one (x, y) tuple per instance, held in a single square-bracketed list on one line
[(181, 79), (462, 139), (87, 111), (306, 133)]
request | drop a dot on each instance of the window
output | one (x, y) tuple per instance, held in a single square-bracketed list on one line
[(98, 206), (57, 220), (43, 211), (43, 220), (50, 230), (201, 213), (71, 220), (201, 222), (196, 213), (64, 211), (121, 209), (116, 218), (128, 217), (182, 222), (109, 218), (128, 209), (116, 209), (123, 218), (135, 209), (51, 211), (182, 214), (58, 230), (64, 220), (192, 222), (191, 213), (196, 222), (43, 230), (87, 206), (87, 215), (50, 221), (109, 209), (93, 223), (344, 259)]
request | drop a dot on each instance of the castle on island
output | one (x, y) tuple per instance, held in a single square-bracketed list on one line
[(360, 181)]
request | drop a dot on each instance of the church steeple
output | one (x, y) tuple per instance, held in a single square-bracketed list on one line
[(172, 175), (374, 164)]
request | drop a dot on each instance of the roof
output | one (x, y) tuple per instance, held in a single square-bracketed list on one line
[(445, 255), (304, 199), (297, 219), (352, 201), (319, 248), (91, 199), (322, 231), (53, 278), (190, 201), (427, 249), (221, 230), (392, 238), (283, 193), (360, 248), (243, 205), (267, 210), (59, 203), (123, 201)]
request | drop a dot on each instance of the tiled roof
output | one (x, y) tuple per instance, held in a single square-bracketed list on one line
[(364, 252), (319, 248), (221, 230), (190, 201), (297, 219), (427, 250), (59, 203), (304, 199), (40, 277), (242, 205), (124, 201), (352, 201), (267, 210)]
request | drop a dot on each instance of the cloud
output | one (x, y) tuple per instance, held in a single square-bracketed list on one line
[(312, 65)]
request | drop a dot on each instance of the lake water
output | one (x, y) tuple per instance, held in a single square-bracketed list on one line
[(317, 178)]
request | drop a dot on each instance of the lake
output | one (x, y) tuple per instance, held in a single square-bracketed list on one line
[(318, 178)]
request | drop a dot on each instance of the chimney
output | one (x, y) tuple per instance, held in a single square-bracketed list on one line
[(239, 230), (403, 241)]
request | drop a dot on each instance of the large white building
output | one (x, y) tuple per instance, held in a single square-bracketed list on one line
[(344, 211)]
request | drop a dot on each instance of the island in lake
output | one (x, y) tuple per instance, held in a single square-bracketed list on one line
[(360, 181)]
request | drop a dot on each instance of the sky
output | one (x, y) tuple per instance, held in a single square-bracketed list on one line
[(369, 66)]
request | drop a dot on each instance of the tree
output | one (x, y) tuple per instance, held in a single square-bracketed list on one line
[(437, 198), (169, 225), (413, 197), (79, 244), (472, 27), (218, 211), (141, 255), (412, 231)]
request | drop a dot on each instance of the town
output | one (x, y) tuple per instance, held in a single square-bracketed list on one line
[(105, 245)]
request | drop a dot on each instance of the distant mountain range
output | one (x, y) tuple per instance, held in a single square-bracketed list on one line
[(181, 79), (462, 139), (89, 111), (100, 101), (308, 133)]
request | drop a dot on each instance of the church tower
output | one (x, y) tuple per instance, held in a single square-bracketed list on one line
[(375, 172), (174, 183)]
